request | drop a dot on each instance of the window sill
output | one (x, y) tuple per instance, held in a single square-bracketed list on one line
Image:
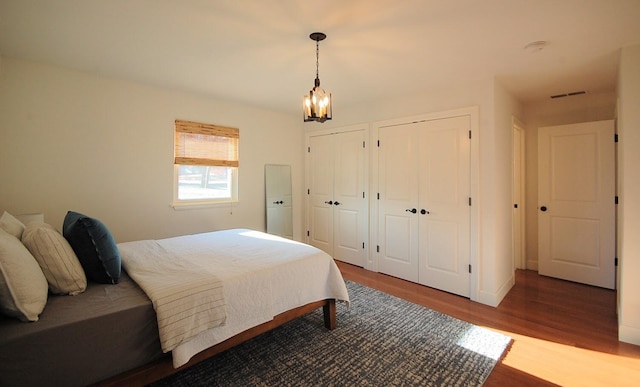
[(181, 206)]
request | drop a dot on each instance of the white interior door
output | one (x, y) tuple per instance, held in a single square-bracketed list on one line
[(338, 213), (518, 219), (576, 216), (320, 211), (398, 190), (444, 204), (350, 206)]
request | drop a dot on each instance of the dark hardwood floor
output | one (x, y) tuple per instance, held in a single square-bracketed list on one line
[(563, 333)]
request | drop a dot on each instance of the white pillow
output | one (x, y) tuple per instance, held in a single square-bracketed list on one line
[(23, 287), (28, 218), (56, 258), (11, 225)]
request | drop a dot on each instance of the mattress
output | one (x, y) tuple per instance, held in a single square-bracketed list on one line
[(83, 339)]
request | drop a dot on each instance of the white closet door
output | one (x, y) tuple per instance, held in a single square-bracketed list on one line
[(350, 210), (444, 204), (398, 190), (321, 165), (338, 213)]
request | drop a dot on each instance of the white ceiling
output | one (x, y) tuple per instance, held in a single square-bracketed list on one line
[(258, 52)]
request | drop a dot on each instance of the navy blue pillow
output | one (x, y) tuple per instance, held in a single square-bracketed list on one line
[(95, 247)]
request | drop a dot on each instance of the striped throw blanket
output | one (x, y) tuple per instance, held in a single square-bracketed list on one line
[(188, 298)]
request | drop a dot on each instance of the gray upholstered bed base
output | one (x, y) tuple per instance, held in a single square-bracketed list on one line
[(80, 340)]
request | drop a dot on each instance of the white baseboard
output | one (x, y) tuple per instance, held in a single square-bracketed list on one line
[(629, 334), (494, 299)]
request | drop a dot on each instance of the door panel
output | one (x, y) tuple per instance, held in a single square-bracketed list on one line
[(351, 213), (320, 193), (398, 189), (348, 173), (444, 195), (348, 222), (442, 244), (439, 162), (582, 250), (577, 189), (518, 230), (399, 247)]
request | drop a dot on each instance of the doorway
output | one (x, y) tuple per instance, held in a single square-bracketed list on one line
[(518, 193), (576, 202)]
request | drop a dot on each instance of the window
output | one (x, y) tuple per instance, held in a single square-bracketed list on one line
[(205, 163)]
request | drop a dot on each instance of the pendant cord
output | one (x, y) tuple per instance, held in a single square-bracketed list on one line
[(317, 56)]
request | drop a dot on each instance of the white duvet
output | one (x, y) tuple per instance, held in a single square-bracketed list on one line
[(262, 275)]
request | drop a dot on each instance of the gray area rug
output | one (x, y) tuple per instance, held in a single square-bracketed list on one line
[(380, 340)]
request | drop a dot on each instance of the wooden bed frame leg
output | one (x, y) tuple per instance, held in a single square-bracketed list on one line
[(329, 311)]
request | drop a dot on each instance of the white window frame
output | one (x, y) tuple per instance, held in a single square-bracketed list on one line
[(188, 126)]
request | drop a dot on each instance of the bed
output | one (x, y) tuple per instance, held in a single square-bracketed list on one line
[(111, 335)]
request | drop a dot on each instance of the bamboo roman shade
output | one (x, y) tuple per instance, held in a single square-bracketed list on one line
[(206, 144)]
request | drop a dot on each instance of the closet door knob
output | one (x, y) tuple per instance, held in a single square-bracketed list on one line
[(412, 210), (543, 208), (330, 202), (423, 211), (336, 203)]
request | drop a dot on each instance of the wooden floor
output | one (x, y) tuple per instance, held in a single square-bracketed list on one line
[(564, 333)]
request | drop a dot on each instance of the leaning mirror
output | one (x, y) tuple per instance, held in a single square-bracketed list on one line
[(278, 200)]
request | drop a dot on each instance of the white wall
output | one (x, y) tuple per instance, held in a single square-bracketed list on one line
[(551, 112), (453, 97), (629, 192), (104, 147), (506, 108), (496, 108)]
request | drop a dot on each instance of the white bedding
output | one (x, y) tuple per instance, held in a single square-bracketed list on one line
[(262, 275)]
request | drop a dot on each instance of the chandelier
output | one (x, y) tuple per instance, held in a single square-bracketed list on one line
[(317, 104)]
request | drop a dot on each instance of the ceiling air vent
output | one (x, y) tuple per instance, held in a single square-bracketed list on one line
[(569, 94)]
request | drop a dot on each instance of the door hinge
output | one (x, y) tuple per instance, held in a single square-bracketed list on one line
[(616, 200), (615, 261), (378, 195), (615, 137), (469, 202), (363, 245), (469, 135), (469, 269), (307, 232), (378, 143), (363, 195), (363, 145), (377, 248), (308, 191), (309, 149)]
